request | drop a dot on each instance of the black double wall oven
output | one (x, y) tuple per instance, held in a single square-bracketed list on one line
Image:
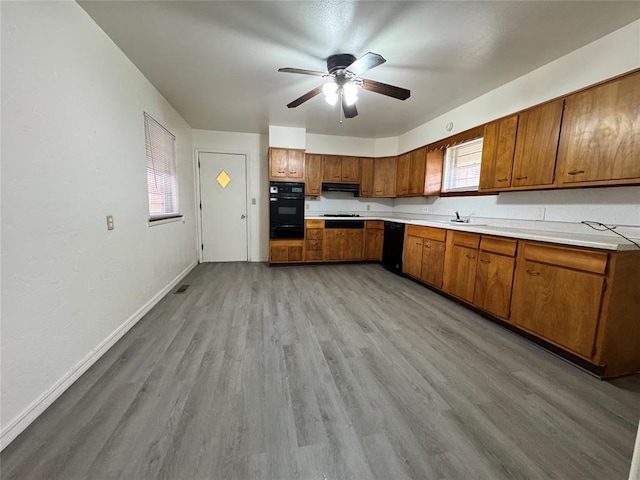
[(286, 210)]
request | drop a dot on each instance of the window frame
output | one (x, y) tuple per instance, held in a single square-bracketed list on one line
[(161, 163), (447, 169)]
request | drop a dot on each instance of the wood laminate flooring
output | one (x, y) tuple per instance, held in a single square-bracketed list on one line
[(327, 372)]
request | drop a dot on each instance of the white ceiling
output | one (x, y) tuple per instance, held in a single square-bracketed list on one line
[(216, 62)]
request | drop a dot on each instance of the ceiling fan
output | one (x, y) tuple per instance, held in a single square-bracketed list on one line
[(343, 73)]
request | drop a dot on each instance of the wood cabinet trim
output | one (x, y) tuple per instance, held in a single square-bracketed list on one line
[(592, 261)]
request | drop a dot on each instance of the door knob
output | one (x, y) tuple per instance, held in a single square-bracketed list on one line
[(243, 216)]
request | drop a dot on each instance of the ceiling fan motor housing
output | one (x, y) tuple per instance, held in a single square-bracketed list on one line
[(339, 61)]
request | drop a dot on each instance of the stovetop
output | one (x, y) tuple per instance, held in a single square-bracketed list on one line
[(350, 215)]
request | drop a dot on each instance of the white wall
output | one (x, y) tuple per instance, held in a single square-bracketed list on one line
[(256, 147), (342, 202), (335, 145), (611, 55), (72, 152)]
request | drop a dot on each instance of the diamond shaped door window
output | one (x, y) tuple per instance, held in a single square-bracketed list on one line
[(223, 179)]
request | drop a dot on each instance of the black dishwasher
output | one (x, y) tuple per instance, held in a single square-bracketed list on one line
[(392, 246)]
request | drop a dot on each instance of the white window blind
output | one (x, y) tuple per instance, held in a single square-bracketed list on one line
[(162, 184), (462, 167)]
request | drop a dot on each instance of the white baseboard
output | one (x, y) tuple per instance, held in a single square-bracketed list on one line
[(34, 410)]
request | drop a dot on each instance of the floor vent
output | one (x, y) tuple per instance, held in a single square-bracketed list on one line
[(182, 288)]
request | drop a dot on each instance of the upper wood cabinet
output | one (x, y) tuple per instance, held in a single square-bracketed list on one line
[(417, 166), (600, 140), (313, 174), (498, 148), (384, 177), (537, 145), (366, 177), (286, 165), (433, 176), (403, 166), (341, 169)]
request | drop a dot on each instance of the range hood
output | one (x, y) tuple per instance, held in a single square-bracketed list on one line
[(341, 187)]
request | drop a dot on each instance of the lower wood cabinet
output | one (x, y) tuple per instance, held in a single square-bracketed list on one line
[(341, 244), (374, 237), (314, 240), (424, 252), (494, 275), (460, 264), (286, 251)]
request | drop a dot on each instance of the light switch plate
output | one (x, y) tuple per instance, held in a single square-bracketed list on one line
[(540, 212), (110, 222)]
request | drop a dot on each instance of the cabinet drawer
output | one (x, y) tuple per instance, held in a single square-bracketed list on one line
[(314, 244), (375, 224), (315, 255), (314, 223), (502, 246), (438, 234), (314, 233), (465, 239), (584, 260)]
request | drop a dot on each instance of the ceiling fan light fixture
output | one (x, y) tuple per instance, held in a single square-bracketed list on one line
[(350, 93), (330, 91)]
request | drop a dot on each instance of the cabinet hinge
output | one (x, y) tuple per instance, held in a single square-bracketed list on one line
[(200, 205), (202, 246), (198, 163)]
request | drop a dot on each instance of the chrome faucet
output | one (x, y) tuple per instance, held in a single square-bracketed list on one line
[(460, 219)]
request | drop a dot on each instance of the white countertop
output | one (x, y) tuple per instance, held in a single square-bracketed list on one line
[(605, 242)]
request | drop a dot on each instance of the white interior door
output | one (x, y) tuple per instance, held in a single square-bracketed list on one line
[(223, 197)]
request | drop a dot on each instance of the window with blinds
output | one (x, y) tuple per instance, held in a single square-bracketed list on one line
[(462, 167), (162, 182)]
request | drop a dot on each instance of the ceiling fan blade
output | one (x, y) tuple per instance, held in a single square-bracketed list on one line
[(303, 72), (384, 89), (366, 62), (350, 111), (305, 97)]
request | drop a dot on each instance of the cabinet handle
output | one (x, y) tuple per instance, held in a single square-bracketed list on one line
[(485, 261), (378, 191), (533, 273), (419, 243), (575, 172), (502, 179), (281, 171), (427, 245), (521, 178), (470, 257)]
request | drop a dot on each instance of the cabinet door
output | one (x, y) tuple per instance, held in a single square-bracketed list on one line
[(334, 244), (295, 164), (313, 174), (403, 164), (278, 254), (351, 169), (354, 244), (373, 244), (332, 168), (432, 262), (537, 145), (433, 176), (498, 148), (462, 272), (559, 304), (279, 163), (600, 140), (366, 178), (412, 256), (417, 171), (384, 177), (494, 280)]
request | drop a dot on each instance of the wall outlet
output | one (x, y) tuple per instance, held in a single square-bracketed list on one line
[(306, 206), (110, 222), (253, 201), (368, 207), (425, 209), (540, 211)]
